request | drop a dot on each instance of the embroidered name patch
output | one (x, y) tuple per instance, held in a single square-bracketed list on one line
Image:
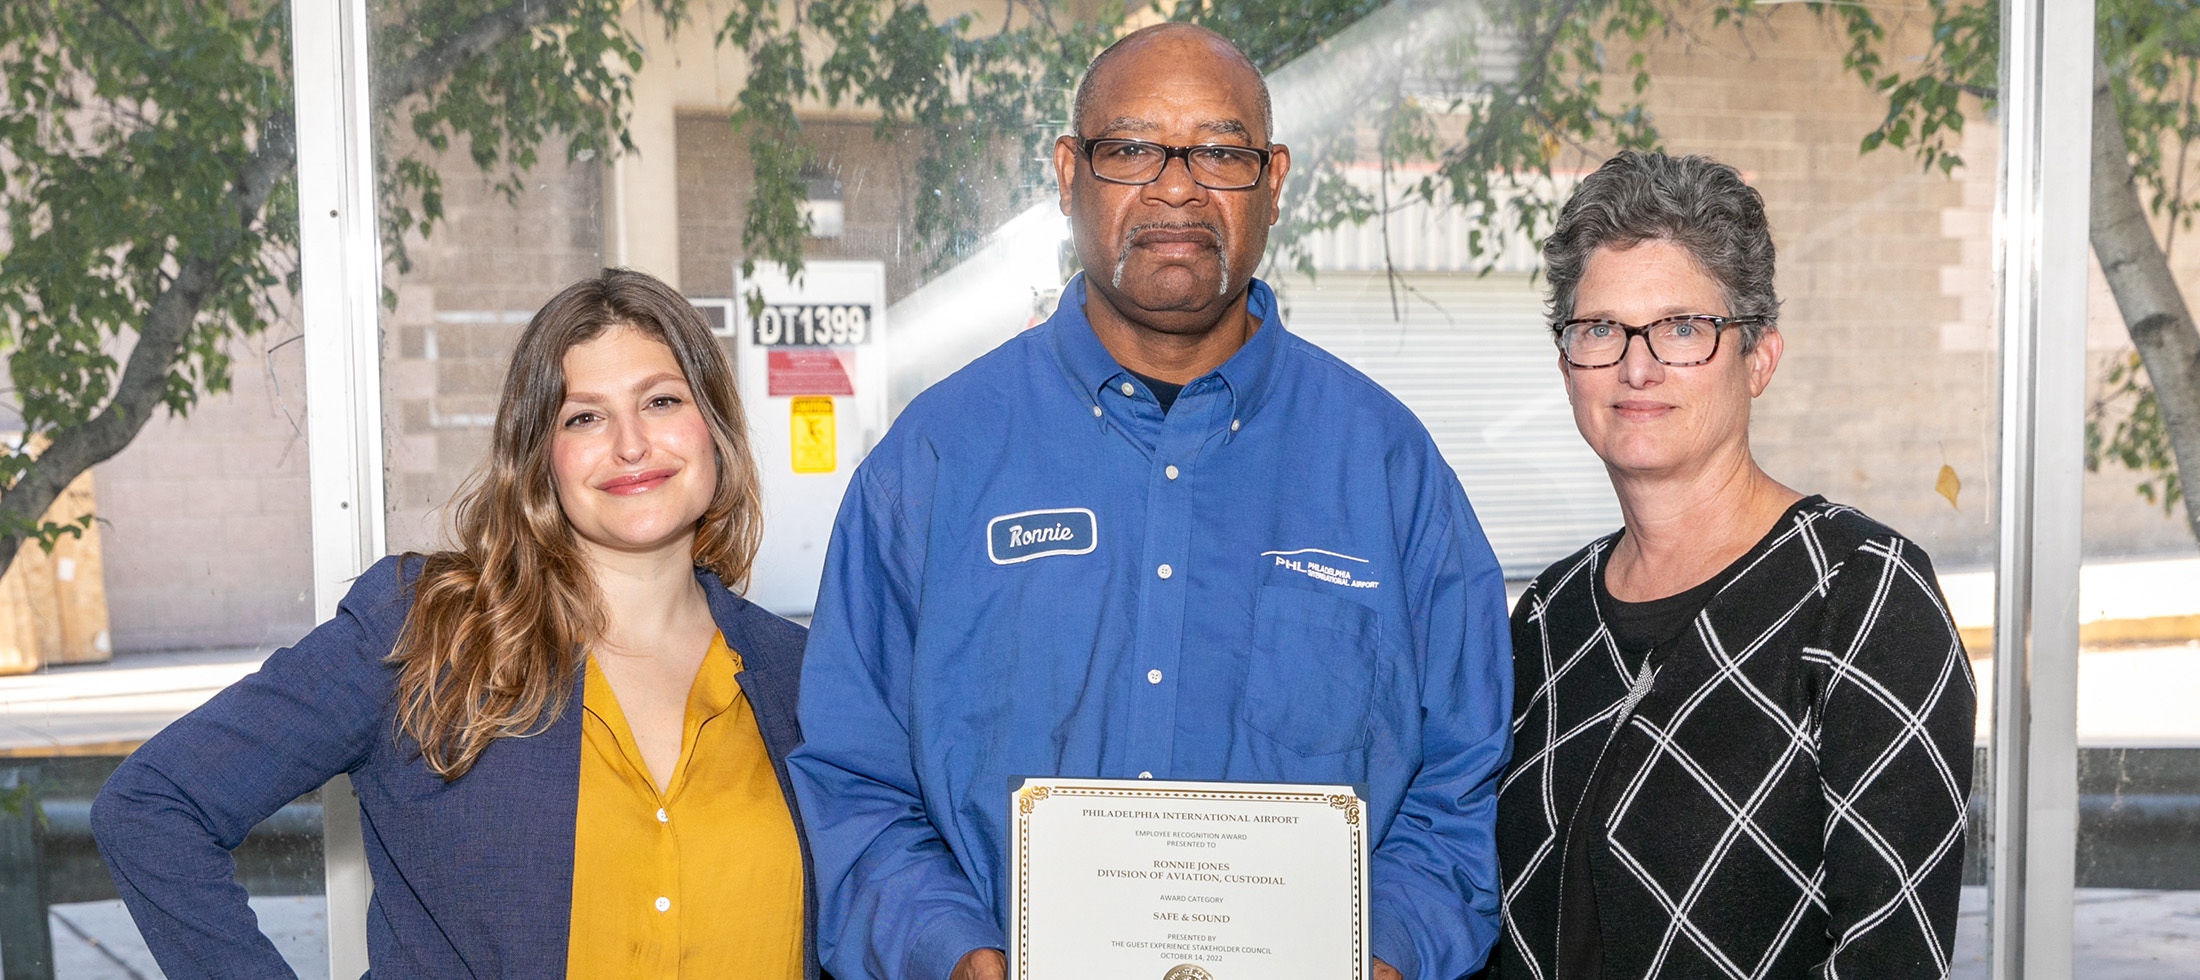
[(1011, 538)]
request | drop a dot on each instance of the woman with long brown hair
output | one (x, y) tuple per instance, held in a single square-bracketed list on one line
[(567, 733)]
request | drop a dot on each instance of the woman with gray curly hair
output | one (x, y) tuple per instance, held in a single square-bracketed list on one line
[(1742, 723)]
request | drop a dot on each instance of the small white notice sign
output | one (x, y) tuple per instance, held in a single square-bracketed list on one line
[(1141, 879)]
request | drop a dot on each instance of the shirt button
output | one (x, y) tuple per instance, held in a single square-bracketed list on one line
[(1233, 425), (1170, 472), (1164, 571), (1128, 391), (664, 904), (1096, 411), (1153, 676), (662, 816), (1145, 775)]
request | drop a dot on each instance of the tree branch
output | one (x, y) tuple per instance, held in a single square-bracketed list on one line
[(75, 449), (1537, 58), (169, 317), (2138, 274), (110, 10), (422, 71)]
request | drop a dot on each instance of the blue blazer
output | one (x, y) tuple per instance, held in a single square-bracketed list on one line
[(472, 877)]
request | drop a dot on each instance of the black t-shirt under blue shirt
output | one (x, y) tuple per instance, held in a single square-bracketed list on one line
[(1163, 392)]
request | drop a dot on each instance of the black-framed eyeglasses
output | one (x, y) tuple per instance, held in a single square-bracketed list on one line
[(1676, 341), (1214, 166)]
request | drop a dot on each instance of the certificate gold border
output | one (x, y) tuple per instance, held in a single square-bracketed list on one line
[(1028, 797)]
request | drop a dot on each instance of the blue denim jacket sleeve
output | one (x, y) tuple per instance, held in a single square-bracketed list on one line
[(1434, 904), (893, 902), (167, 819)]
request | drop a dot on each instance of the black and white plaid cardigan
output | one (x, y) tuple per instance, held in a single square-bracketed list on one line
[(1785, 797)]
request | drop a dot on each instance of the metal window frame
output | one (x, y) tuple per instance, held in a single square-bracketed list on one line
[(2041, 252), (340, 269)]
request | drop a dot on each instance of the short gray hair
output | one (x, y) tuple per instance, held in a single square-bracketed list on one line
[(1694, 202)]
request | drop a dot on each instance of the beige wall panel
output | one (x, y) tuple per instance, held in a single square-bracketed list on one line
[(53, 605), (19, 647), (79, 577)]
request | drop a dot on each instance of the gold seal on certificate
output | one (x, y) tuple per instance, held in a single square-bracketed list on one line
[(1141, 879)]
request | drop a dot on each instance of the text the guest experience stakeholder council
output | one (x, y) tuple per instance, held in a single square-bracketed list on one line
[(1131, 879)]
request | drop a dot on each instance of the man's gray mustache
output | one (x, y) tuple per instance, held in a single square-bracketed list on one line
[(1130, 239)]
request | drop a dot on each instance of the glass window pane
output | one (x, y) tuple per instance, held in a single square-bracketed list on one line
[(1884, 398), (2138, 861), (154, 372)]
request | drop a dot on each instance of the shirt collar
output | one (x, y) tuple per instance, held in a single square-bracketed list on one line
[(1090, 367)]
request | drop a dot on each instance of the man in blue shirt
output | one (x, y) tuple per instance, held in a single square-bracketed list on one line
[(1155, 537)]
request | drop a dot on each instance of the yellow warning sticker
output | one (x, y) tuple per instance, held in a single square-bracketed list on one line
[(811, 437)]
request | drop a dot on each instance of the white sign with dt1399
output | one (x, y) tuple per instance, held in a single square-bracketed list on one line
[(812, 324)]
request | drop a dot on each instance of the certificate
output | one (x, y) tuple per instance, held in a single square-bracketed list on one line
[(1141, 879)]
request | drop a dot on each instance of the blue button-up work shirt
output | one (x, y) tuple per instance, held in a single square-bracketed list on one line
[(1040, 573)]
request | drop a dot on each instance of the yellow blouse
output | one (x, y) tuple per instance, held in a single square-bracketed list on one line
[(702, 880)]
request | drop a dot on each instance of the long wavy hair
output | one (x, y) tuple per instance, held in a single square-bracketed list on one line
[(492, 647)]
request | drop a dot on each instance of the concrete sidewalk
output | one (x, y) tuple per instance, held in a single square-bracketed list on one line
[(107, 709), (2121, 934), (2133, 697), (97, 941), (2150, 602)]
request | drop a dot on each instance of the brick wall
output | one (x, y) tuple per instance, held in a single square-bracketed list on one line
[(1887, 276), (474, 283), (205, 521), (877, 189)]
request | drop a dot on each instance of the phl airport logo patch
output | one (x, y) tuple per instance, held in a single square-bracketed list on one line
[(1012, 538)]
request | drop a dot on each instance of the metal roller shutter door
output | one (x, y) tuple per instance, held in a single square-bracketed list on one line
[(1471, 357)]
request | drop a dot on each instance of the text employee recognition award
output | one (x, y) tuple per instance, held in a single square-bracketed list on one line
[(1140, 879)]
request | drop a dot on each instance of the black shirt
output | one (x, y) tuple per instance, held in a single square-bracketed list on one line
[(1639, 629)]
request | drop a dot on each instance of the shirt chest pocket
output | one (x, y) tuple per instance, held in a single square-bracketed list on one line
[(1312, 670)]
